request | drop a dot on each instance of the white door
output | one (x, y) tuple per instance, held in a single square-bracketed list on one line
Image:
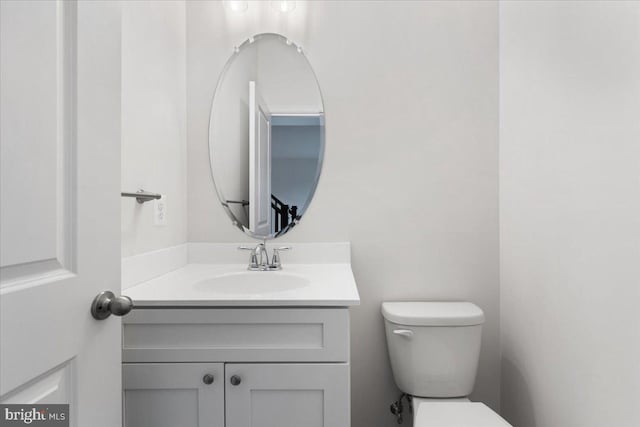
[(59, 206), (259, 164), (287, 395), (173, 394)]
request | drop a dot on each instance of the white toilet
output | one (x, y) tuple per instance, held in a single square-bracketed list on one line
[(434, 349)]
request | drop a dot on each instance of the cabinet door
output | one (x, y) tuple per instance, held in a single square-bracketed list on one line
[(173, 395), (287, 395)]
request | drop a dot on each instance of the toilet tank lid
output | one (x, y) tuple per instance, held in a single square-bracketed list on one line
[(433, 313)]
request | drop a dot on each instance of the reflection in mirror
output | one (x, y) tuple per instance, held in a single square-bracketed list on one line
[(296, 150), (266, 136)]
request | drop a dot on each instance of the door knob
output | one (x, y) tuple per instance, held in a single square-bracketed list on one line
[(235, 380), (106, 304), (207, 379)]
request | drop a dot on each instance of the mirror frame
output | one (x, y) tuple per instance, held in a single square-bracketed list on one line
[(221, 198)]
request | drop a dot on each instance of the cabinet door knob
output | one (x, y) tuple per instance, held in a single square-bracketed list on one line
[(235, 380), (207, 379)]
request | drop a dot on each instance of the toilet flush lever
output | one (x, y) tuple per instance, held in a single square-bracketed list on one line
[(404, 332)]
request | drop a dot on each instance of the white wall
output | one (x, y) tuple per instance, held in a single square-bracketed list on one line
[(570, 213), (410, 172), (286, 79), (153, 122)]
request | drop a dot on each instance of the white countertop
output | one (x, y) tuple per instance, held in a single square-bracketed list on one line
[(320, 285)]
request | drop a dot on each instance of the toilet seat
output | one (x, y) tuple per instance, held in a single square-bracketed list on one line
[(455, 414)]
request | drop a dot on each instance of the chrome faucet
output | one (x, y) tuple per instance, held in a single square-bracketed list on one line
[(259, 259)]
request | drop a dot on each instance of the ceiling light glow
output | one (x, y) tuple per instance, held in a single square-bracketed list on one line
[(283, 6), (237, 6)]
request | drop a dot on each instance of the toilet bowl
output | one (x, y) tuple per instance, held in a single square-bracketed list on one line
[(434, 348)]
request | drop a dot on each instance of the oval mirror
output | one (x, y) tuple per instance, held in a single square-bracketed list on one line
[(266, 136)]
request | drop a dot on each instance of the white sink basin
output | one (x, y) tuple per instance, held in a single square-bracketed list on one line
[(252, 282)]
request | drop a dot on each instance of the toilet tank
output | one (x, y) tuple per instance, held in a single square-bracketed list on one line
[(433, 346)]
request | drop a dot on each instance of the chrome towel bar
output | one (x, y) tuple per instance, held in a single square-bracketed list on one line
[(142, 196)]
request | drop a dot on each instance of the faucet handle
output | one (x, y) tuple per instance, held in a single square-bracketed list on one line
[(275, 262), (253, 263)]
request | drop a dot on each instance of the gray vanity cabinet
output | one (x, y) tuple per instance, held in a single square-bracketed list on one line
[(287, 395), (269, 367), (173, 394)]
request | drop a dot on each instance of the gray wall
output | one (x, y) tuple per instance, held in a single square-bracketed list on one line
[(570, 213), (411, 98)]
